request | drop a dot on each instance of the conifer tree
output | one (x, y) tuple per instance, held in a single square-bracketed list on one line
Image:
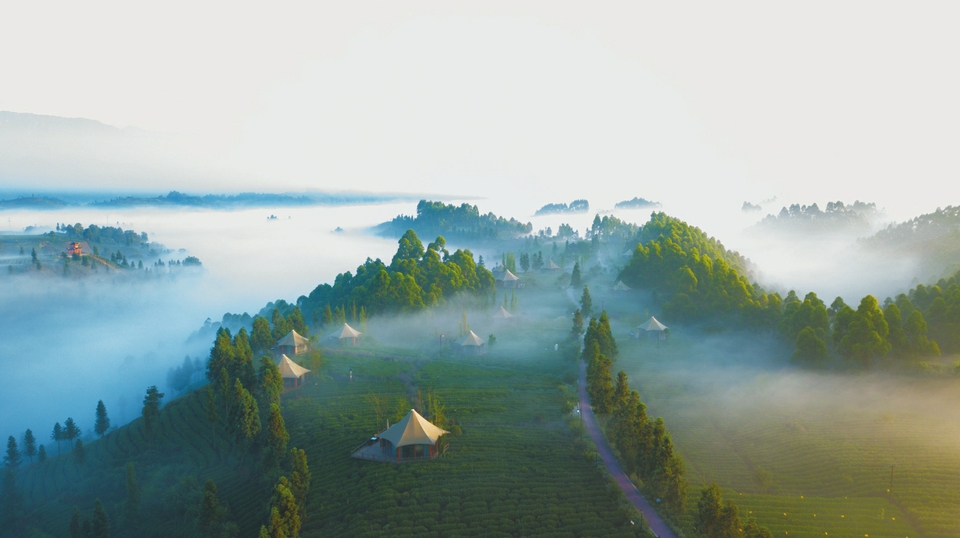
[(131, 505), (277, 438), (586, 303), (11, 502), (151, 410), (102, 423), (260, 339), (299, 480), (271, 382), (287, 513), (12, 459), (29, 445), (101, 524), (57, 435), (42, 454), (575, 276), (71, 431)]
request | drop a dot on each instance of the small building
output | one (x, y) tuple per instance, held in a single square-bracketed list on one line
[(413, 438), (653, 329), (502, 314), (349, 334), (551, 267), (620, 286), (471, 344), (75, 248), (291, 372), (508, 280), (292, 344)]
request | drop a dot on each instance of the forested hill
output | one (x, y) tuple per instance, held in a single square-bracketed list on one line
[(460, 222), (694, 276), (934, 238), (415, 279)]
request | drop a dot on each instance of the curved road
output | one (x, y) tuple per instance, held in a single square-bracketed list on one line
[(653, 520)]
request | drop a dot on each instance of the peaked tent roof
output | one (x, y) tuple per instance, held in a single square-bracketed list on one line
[(502, 313), (621, 286), (471, 340), (652, 325), (551, 265), (349, 332), (290, 369), (292, 339), (413, 429), (508, 276)]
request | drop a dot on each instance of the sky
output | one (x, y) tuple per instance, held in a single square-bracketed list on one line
[(693, 104)]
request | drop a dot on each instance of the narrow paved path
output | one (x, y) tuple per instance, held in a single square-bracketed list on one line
[(656, 524)]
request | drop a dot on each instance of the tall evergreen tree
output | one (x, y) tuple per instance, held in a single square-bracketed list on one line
[(71, 431), (212, 517), (243, 361), (131, 505), (299, 480), (151, 410), (12, 459), (41, 454), (575, 276), (271, 382), (80, 453), (222, 356), (577, 330), (277, 438), (57, 435), (286, 508), (586, 303), (101, 523), (102, 423), (261, 340), (29, 445)]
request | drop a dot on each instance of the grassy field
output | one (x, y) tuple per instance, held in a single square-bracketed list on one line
[(518, 468), (807, 452)]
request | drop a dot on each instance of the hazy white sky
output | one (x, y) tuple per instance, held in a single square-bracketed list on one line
[(720, 102)]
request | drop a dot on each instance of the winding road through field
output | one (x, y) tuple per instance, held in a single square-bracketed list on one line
[(657, 525)]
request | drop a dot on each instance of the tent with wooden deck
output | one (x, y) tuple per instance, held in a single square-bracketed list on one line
[(471, 344), (653, 329), (291, 372), (349, 334), (292, 344), (413, 438)]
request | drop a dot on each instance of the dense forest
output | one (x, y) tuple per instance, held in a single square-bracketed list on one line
[(810, 218), (933, 238), (416, 278), (462, 222)]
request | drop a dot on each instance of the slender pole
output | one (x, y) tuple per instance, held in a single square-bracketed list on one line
[(892, 467)]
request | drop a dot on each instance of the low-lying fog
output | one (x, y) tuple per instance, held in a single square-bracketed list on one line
[(66, 344)]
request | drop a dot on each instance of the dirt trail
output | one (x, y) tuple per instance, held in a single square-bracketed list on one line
[(656, 524)]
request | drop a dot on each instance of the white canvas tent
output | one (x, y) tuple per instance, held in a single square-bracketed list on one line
[(502, 313), (292, 344), (620, 286), (291, 372), (413, 438), (472, 344), (349, 333), (507, 279), (652, 328)]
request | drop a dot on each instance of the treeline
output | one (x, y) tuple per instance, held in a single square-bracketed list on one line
[(836, 216), (917, 324), (462, 222), (104, 235), (695, 279), (645, 447), (717, 518), (244, 403), (576, 206), (416, 278)]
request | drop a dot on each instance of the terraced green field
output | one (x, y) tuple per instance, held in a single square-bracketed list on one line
[(517, 469), (808, 452)]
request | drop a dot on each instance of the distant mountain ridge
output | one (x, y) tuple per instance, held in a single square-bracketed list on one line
[(211, 201)]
